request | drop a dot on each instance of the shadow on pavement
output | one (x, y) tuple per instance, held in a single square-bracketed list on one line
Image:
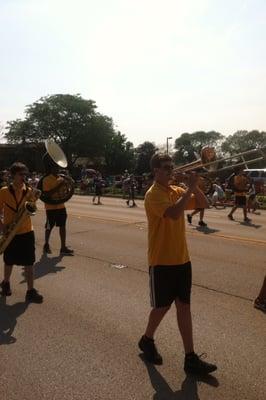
[(8, 319), (46, 265), (206, 230), (250, 224), (189, 387)]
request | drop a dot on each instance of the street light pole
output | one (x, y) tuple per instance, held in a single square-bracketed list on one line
[(168, 138)]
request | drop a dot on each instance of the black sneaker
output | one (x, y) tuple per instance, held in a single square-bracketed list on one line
[(6, 291), (189, 219), (247, 219), (230, 217), (47, 249), (66, 251), (32, 296), (202, 223), (150, 352), (195, 365), (260, 305)]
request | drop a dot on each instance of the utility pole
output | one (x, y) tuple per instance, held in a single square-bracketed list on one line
[(168, 138)]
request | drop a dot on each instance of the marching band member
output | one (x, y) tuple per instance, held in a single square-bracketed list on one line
[(240, 183), (169, 261), (56, 214), (21, 249)]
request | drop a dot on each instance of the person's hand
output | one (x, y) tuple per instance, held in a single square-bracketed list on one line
[(193, 180)]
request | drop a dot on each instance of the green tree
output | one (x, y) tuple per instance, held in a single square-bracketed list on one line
[(71, 121), (144, 152), (190, 143), (242, 141), (118, 154)]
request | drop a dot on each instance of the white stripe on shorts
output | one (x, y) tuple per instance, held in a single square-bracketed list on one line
[(152, 289)]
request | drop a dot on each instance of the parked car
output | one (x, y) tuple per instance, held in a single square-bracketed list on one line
[(259, 177)]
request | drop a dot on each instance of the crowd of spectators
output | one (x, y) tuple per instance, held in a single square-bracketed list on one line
[(89, 180)]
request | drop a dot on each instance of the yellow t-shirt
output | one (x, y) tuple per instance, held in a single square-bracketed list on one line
[(10, 202), (50, 182), (166, 236)]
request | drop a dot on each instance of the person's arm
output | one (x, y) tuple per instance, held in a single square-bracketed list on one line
[(177, 210), (1, 211)]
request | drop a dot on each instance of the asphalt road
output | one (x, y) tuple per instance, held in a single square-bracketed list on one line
[(81, 343)]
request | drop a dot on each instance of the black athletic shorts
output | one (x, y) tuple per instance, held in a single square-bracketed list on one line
[(252, 196), (55, 218), (170, 282), (98, 191), (21, 250), (240, 201)]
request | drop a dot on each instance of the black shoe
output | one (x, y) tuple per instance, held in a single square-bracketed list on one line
[(47, 249), (195, 365), (127, 202), (202, 223), (189, 219), (65, 251), (247, 219), (150, 352), (32, 296), (260, 305), (6, 291), (230, 217)]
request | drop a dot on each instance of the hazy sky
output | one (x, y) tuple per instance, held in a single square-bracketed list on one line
[(158, 68)]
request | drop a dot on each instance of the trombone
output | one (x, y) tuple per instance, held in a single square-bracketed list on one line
[(208, 165)]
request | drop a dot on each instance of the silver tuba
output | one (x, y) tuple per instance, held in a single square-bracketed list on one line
[(65, 189)]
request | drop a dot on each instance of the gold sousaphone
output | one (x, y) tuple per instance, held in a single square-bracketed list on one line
[(54, 158)]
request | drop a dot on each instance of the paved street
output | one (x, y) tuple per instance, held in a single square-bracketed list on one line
[(81, 343)]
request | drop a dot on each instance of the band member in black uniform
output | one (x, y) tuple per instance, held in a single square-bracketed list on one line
[(240, 184)]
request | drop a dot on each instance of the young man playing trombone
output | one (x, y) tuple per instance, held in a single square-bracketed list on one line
[(21, 249), (169, 262)]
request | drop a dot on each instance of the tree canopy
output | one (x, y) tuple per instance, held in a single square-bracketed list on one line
[(190, 143), (74, 124), (144, 152), (242, 141), (119, 154)]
